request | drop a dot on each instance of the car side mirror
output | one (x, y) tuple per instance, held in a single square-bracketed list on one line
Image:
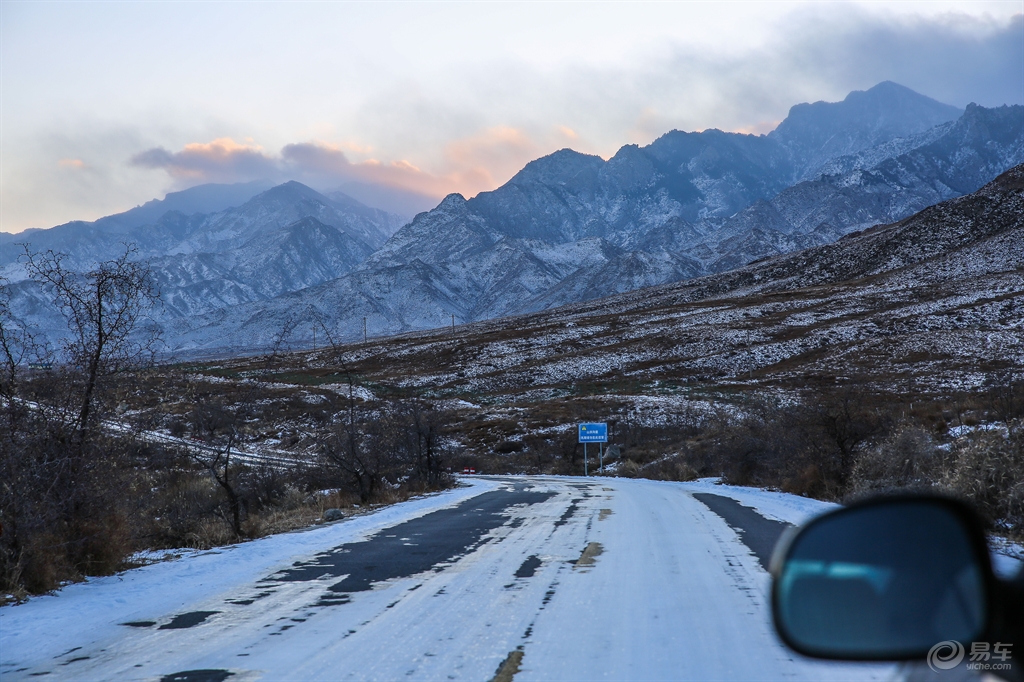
[(884, 579)]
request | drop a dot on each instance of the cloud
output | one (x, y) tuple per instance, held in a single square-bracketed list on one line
[(955, 58), (325, 165), (63, 176), (489, 157), (474, 163), (432, 127), (222, 160), (317, 157), (812, 54)]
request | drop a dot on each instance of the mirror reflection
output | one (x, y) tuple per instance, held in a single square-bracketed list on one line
[(886, 580)]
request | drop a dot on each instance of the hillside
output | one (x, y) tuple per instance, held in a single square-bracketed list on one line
[(936, 299), (456, 260)]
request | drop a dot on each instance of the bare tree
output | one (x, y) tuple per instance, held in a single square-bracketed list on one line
[(1004, 398), (16, 343), (217, 461), (62, 480), (346, 449), (424, 427), (220, 427), (104, 309), (843, 415)]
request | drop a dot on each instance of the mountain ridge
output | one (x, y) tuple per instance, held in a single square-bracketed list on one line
[(572, 227)]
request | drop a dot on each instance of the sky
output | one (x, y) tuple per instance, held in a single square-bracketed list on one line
[(106, 105)]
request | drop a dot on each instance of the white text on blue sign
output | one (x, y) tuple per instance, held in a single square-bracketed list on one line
[(593, 433)]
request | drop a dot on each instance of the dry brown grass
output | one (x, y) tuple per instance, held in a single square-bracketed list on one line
[(988, 468)]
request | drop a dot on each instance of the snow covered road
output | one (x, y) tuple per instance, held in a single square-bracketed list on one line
[(566, 578)]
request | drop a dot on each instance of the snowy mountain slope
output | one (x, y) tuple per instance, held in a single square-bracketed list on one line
[(568, 227), (283, 205), (302, 254), (176, 230), (280, 240), (488, 270), (937, 231), (208, 198), (869, 158), (967, 153), (392, 299), (625, 272), (819, 132), (656, 195), (936, 299), (96, 240)]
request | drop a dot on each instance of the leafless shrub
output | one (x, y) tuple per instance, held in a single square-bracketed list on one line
[(1004, 399), (398, 443), (671, 468), (806, 448), (105, 309), (909, 458), (63, 502), (987, 467), (628, 469)]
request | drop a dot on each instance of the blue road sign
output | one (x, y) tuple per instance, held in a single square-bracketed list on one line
[(593, 433)]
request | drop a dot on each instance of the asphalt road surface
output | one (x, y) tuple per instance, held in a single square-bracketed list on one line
[(539, 578)]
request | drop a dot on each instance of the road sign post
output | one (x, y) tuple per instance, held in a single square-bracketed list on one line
[(592, 433)]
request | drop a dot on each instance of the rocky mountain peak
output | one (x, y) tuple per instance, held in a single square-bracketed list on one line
[(453, 201), (822, 130), (289, 192), (557, 168)]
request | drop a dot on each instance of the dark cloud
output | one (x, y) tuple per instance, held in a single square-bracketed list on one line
[(953, 58), (309, 157)]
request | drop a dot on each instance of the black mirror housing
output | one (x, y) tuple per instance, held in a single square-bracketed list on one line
[(884, 579)]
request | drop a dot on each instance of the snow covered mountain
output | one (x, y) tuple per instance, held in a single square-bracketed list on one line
[(817, 133), (571, 227), (282, 239), (86, 242), (954, 159), (934, 302), (568, 227)]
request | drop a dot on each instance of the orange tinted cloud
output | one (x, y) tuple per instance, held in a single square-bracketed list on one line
[(471, 164), (488, 158), (759, 128), (327, 164), (74, 164), (221, 148), (222, 160)]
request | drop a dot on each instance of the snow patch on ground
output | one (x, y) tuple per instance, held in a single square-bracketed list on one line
[(358, 392), (768, 503), (162, 589), (1007, 557)]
